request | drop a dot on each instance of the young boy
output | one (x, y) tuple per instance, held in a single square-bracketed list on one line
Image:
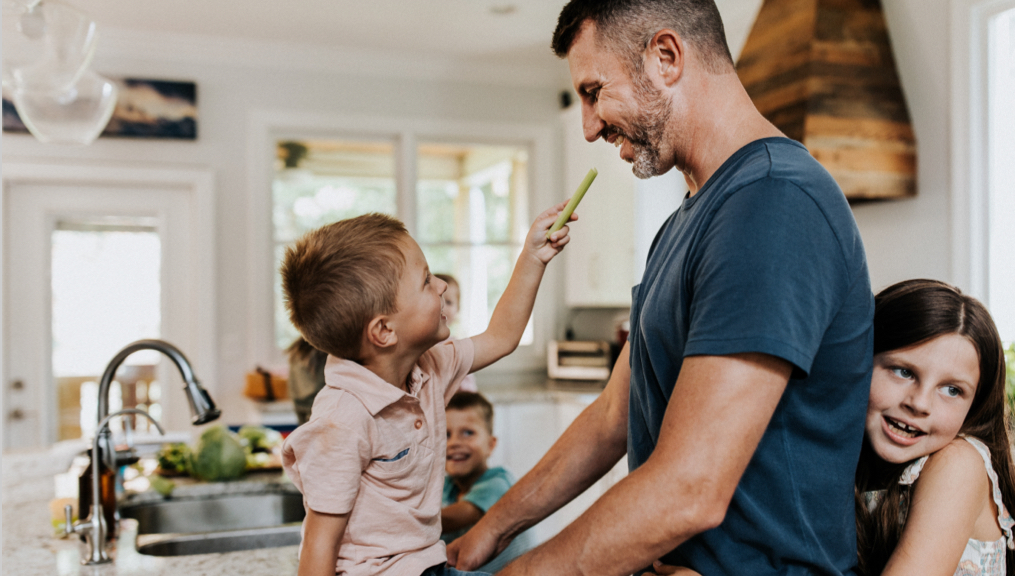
[(370, 460), (470, 487)]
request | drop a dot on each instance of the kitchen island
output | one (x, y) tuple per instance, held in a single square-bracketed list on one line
[(31, 549), (531, 413)]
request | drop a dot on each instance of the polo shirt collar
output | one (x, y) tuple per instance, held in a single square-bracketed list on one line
[(373, 391)]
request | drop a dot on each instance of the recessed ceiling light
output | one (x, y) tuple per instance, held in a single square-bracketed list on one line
[(503, 9)]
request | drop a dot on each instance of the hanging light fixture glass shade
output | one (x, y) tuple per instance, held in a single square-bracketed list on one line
[(76, 115), (46, 46)]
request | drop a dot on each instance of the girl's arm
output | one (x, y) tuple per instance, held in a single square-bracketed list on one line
[(322, 535), (946, 502), (513, 309)]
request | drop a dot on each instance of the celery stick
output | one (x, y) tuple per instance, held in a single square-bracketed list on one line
[(573, 202)]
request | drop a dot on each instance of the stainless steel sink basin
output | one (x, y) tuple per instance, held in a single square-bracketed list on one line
[(227, 523), (231, 541), (218, 513)]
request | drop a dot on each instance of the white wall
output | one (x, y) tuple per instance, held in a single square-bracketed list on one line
[(228, 89), (912, 238)]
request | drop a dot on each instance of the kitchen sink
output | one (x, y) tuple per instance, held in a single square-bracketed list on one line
[(221, 523), (227, 541), (215, 513)]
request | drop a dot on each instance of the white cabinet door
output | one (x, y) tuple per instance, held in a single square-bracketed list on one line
[(599, 261)]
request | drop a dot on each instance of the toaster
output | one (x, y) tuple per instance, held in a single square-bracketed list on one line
[(578, 359)]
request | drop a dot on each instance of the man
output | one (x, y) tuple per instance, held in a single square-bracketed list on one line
[(740, 397)]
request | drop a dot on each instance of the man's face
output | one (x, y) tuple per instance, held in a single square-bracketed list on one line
[(626, 111)]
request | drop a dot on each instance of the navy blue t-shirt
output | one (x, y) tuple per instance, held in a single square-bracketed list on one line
[(766, 258)]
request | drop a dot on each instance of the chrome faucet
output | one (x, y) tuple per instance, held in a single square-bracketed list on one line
[(202, 408), (94, 527)]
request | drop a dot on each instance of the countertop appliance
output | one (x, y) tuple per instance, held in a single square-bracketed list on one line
[(578, 359)]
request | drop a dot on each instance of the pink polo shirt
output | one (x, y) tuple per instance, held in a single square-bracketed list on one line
[(377, 452)]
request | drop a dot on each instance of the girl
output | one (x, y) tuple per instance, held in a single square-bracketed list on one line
[(935, 483)]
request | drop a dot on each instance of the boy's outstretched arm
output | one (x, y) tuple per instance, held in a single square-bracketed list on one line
[(512, 312), (321, 538)]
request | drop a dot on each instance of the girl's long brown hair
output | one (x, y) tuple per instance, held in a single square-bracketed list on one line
[(907, 314)]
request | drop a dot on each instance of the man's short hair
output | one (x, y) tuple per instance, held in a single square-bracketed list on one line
[(474, 401), (626, 26), (337, 278)]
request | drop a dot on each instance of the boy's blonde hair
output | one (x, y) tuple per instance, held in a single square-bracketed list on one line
[(337, 278)]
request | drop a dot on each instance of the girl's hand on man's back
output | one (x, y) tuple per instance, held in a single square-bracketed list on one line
[(660, 569)]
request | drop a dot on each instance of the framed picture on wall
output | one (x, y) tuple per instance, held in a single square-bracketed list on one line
[(155, 109)]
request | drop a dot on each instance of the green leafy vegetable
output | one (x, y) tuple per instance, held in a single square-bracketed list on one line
[(161, 485), (259, 438), (219, 455), (174, 458)]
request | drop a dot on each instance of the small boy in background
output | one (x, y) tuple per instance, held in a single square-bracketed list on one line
[(471, 487), (452, 305), (370, 461)]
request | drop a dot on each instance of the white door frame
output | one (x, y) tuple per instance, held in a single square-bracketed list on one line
[(970, 23), (195, 332)]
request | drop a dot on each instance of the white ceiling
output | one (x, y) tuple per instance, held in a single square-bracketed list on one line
[(465, 31)]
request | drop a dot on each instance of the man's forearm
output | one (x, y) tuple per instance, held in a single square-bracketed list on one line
[(634, 523), (720, 408), (587, 450)]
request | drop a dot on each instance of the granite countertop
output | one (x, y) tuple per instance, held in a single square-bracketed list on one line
[(31, 549), (536, 387)]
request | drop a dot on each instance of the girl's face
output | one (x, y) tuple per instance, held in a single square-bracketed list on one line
[(920, 397), (451, 303)]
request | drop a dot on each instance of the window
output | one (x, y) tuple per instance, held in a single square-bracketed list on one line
[(470, 203), (106, 292)]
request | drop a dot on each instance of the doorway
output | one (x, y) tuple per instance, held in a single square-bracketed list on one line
[(95, 258)]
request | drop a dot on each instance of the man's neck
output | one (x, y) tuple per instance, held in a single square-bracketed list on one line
[(724, 121)]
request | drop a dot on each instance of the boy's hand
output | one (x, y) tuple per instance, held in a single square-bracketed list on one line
[(536, 242)]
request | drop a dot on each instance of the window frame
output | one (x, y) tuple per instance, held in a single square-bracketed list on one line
[(267, 127), (970, 132)]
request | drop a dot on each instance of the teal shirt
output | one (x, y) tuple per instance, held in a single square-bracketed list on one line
[(484, 494)]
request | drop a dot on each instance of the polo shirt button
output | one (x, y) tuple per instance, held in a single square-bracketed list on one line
[(419, 424)]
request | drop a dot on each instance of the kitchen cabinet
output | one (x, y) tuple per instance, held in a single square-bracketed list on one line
[(619, 217), (526, 430), (599, 259)]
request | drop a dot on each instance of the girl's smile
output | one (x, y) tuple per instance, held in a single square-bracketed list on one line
[(920, 397)]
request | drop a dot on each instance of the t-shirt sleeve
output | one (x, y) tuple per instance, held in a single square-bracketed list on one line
[(769, 277), (451, 362), (487, 491), (325, 460)]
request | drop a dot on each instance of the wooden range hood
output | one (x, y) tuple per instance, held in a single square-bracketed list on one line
[(823, 72)]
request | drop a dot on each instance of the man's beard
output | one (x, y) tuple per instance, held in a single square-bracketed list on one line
[(648, 129)]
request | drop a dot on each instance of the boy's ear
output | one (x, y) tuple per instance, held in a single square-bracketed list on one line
[(493, 443), (379, 333)]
